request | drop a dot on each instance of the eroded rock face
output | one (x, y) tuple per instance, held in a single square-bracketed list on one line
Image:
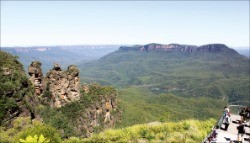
[(64, 85), (36, 77)]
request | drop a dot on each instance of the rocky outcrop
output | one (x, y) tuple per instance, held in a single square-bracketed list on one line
[(36, 77), (176, 47), (96, 106), (63, 85)]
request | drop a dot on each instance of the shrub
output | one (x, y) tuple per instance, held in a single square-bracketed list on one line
[(72, 140), (35, 139)]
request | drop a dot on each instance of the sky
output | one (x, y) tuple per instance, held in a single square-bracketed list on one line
[(46, 23)]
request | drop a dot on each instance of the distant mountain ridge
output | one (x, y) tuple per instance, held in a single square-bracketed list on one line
[(178, 47), (64, 55), (20, 49)]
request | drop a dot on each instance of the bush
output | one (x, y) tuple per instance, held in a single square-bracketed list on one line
[(35, 139), (72, 140), (39, 128), (24, 127)]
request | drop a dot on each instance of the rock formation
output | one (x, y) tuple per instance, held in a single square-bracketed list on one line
[(59, 88), (36, 76), (64, 85)]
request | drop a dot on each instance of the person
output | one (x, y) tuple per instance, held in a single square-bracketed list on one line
[(208, 140), (248, 114), (225, 112), (226, 109), (227, 121), (215, 132), (243, 114), (241, 130)]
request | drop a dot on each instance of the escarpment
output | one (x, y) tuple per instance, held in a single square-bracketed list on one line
[(179, 47)]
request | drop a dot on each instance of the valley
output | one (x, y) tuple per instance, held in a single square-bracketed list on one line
[(214, 71), (64, 55), (120, 91)]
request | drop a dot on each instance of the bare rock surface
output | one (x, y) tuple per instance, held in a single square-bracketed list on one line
[(64, 85)]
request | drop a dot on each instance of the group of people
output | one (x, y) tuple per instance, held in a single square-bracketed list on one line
[(226, 120), (245, 116)]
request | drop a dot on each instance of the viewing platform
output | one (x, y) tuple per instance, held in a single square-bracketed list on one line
[(231, 135)]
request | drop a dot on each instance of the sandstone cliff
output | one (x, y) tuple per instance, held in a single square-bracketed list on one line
[(64, 85), (178, 47), (36, 77)]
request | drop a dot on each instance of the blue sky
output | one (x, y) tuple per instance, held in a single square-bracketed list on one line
[(28, 23)]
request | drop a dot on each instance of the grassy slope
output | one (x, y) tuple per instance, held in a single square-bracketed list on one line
[(191, 131)]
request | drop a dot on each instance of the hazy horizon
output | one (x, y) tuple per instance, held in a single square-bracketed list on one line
[(37, 46)]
